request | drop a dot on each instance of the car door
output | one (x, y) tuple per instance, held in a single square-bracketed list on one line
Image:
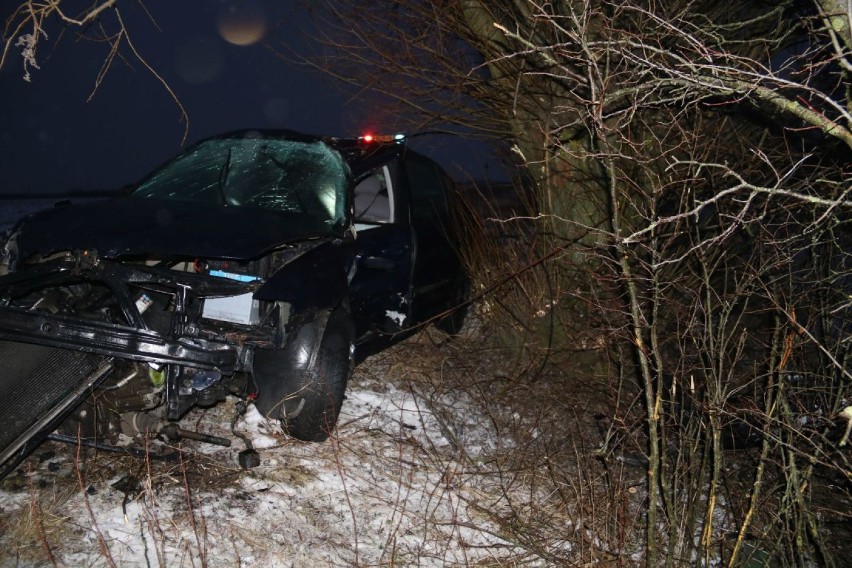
[(379, 291), (437, 275)]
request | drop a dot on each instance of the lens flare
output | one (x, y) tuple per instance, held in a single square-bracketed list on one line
[(243, 23)]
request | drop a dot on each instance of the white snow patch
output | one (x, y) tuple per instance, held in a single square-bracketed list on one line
[(397, 317), (261, 431)]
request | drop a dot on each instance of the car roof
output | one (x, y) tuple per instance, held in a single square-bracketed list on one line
[(361, 156)]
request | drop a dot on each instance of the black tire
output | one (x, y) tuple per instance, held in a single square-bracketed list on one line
[(307, 400), (453, 322)]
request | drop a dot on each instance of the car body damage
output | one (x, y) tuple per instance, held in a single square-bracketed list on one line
[(261, 264)]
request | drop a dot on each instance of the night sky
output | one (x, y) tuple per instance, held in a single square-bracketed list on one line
[(212, 55)]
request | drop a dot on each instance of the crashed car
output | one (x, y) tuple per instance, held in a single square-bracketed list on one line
[(263, 264)]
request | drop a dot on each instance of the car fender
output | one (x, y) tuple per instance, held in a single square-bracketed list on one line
[(317, 280)]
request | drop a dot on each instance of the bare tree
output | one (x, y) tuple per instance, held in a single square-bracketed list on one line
[(692, 163)]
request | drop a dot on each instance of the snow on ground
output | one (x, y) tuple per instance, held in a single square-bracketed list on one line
[(397, 485)]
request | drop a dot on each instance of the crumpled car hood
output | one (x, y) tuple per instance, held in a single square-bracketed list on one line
[(147, 227)]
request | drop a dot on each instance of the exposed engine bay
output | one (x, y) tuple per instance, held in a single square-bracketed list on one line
[(155, 338)]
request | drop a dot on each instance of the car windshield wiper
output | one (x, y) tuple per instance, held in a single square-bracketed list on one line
[(223, 178)]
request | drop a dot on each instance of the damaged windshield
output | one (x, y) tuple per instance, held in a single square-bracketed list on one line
[(308, 178)]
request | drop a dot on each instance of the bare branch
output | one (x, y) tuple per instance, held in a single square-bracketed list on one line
[(34, 15)]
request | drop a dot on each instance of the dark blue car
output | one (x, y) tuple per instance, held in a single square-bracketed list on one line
[(264, 264)]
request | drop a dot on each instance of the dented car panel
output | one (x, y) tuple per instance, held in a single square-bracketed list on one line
[(255, 263)]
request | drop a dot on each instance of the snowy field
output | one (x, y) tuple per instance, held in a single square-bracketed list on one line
[(405, 481)]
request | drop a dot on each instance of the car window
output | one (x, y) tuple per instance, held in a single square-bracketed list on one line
[(374, 198), (307, 178)]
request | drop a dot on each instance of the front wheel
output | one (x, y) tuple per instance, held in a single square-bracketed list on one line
[(304, 383)]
